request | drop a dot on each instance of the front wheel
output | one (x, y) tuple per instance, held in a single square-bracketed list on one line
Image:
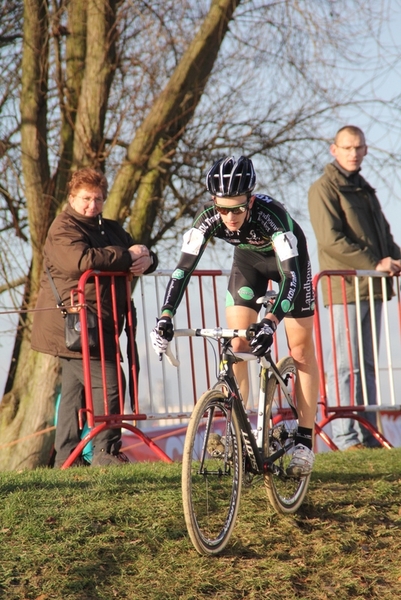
[(211, 473), (285, 493)]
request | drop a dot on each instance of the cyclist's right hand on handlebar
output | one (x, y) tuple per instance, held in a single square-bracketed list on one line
[(261, 336), (165, 328), (162, 334)]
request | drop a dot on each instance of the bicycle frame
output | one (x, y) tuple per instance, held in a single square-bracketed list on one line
[(227, 358), (253, 446)]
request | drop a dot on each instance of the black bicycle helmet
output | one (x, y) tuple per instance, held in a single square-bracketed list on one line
[(229, 177)]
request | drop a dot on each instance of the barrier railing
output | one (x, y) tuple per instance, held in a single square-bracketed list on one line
[(386, 353), (162, 393), (145, 402), (164, 396), (95, 422)]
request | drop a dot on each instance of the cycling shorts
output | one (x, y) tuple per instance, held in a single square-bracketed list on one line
[(250, 275)]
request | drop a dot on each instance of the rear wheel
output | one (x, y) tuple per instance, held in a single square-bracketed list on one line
[(285, 493), (211, 473)]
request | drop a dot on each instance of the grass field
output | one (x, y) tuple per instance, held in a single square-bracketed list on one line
[(100, 534)]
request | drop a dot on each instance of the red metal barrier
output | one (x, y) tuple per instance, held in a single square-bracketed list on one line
[(145, 445), (97, 423), (354, 411)]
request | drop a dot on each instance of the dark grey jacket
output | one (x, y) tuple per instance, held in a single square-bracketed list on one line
[(351, 231)]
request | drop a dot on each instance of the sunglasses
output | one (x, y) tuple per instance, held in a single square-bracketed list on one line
[(236, 210)]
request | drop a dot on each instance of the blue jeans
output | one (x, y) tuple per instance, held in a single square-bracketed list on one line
[(348, 432)]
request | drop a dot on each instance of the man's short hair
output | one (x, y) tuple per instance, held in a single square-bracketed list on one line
[(351, 129), (88, 178)]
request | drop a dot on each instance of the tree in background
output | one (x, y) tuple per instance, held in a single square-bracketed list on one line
[(152, 93)]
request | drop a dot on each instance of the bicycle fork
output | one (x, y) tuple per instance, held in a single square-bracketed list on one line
[(260, 425)]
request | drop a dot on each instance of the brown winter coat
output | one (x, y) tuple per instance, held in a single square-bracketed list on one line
[(74, 244), (351, 231)]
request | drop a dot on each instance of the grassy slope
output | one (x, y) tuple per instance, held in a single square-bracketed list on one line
[(86, 534)]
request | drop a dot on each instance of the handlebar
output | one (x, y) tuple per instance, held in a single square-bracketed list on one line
[(216, 333)]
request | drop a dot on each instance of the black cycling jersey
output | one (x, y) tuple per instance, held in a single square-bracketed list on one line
[(269, 242)]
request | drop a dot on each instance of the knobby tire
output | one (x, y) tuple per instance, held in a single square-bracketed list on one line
[(211, 479), (285, 494)]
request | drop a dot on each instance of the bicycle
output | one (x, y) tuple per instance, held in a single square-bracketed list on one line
[(220, 445)]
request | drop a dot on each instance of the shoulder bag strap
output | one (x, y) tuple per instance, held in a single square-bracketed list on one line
[(55, 292)]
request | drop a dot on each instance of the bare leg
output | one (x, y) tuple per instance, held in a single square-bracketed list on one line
[(300, 342), (240, 317)]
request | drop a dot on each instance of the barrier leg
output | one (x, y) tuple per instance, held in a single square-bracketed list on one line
[(93, 432)]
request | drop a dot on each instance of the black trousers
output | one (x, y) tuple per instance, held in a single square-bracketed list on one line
[(68, 434)]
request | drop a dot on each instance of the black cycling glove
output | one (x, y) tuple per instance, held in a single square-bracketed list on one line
[(165, 328), (261, 336)]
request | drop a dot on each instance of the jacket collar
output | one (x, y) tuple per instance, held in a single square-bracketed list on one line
[(92, 222), (339, 178), (352, 175)]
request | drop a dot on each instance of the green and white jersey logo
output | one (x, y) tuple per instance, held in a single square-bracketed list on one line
[(178, 274)]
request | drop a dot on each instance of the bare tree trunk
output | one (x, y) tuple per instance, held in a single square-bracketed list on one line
[(34, 125), (98, 76), (28, 406), (69, 82), (27, 412), (148, 197), (170, 113)]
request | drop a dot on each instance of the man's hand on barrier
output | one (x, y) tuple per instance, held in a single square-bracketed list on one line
[(261, 336), (161, 335), (390, 265)]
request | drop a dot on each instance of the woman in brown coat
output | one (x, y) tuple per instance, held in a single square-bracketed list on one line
[(80, 239)]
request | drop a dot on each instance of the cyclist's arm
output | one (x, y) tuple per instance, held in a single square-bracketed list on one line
[(205, 225), (178, 283), (195, 242), (285, 244)]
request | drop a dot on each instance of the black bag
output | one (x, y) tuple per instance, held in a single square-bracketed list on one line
[(72, 323), (73, 331)]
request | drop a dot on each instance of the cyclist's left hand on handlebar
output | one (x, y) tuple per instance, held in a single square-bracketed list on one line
[(261, 336)]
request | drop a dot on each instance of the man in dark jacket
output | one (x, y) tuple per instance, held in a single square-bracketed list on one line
[(80, 239), (352, 233)]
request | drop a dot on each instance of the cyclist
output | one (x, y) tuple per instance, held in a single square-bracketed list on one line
[(269, 245)]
